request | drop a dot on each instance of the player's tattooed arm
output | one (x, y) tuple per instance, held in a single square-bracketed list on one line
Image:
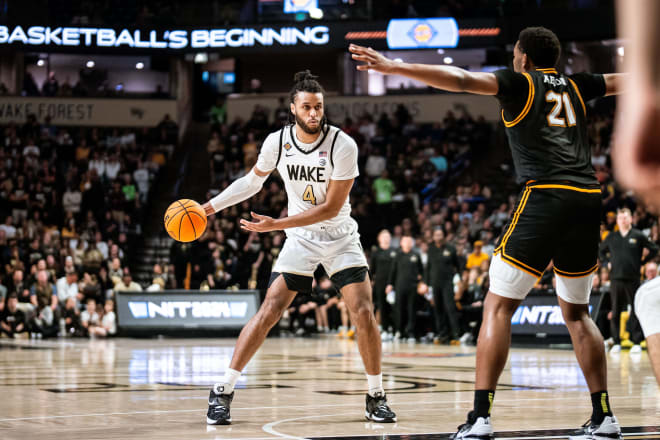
[(338, 191), (450, 78)]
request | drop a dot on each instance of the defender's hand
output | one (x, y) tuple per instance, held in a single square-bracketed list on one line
[(374, 60)]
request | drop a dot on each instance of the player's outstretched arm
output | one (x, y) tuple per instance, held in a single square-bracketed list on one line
[(241, 189), (452, 79), (338, 191), (636, 150), (615, 83)]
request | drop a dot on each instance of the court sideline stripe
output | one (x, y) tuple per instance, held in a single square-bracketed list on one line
[(452, 403)]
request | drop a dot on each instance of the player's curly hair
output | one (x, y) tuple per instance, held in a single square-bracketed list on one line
[(541, 45), (305, 82)]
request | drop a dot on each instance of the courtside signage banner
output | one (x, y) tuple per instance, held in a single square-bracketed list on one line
[(425, 33), (175, 39), (96, 112), (540, 315), (186, 310)]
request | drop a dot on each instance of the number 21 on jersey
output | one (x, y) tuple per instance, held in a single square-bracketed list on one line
[(554, 120), (308, 195)]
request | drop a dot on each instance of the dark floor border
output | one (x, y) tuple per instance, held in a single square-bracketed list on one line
[(630, 432)]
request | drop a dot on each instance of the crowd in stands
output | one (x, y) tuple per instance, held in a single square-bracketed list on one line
[(410, 185), (88, 83), (71, 206)]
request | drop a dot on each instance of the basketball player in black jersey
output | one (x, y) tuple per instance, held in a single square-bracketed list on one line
[(558, 213)]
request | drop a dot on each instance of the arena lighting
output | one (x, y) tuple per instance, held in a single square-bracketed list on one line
[(448, 60), (201, 58), (41, 63), (316, 13), (441, 51), (90, 64), (139, 66)]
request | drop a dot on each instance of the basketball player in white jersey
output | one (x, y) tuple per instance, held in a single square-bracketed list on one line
[(318, 164)]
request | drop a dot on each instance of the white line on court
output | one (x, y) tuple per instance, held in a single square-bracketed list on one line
[(452, 403)]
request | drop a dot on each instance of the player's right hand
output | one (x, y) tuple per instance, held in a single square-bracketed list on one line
[(208, 209), (374, 60)]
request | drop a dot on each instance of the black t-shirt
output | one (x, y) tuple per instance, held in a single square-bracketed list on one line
[(442, 264), (12, 319), (406, 271), (625, 253), (544, 114), (381, 263)]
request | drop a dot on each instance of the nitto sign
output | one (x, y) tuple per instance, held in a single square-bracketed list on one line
[(186, 309), (180, 310), (168, 39)]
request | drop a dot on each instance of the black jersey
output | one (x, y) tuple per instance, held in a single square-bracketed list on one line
[(544, 114)]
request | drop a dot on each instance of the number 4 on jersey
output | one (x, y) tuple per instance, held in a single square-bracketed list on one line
[(308, 195)]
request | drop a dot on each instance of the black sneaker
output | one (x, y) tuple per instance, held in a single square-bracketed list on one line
[(607, 429), (474, 428), (218, 413), (377, 409)]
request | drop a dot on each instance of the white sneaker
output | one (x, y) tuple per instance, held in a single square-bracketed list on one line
[(608, 429), (481, 429), (609, 342), (411, 340), (616, 348), (636, 348)]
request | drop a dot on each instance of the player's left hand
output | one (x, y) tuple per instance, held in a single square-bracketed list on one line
[(373, 59), (264, 223)]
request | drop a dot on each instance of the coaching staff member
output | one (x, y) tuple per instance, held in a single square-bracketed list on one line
[(623, 250)]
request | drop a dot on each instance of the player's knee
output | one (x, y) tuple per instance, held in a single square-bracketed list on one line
[(574, 314), (271, 312), (363, 315)]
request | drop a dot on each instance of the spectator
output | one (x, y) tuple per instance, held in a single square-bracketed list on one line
[(67, 286), (12, 320), (477, 256), (108, 326), (51, 86), (89, 319), (127, 284)]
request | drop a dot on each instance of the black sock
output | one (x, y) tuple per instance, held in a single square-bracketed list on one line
[(483, 402), (601, 404)]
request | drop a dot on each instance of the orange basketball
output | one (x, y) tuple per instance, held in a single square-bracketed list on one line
[(185, 220)]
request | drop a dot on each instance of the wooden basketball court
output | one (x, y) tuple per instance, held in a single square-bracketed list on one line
[(297, 388)]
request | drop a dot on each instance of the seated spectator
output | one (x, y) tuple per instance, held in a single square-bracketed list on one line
[(127, 284), (108, 325), (71, 316), (157, 285), (12, 320), (477, 256), (67, 286), (89, 319), (44, 291)]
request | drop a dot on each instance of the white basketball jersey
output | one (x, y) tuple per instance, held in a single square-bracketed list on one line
[(307, 169)]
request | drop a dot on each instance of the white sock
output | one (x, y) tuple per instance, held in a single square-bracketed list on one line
[(228, 382), (375, 384)]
